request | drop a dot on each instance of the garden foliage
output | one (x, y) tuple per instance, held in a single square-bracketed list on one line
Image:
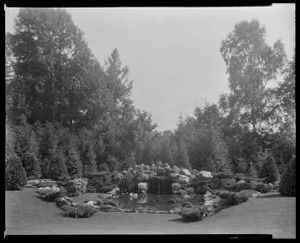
[(15, 175), (287, 184), (79, 211)]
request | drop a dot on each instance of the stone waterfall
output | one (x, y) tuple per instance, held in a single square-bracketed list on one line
[(160, 185)]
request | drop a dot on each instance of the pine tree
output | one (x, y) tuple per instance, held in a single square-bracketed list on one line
[(287, 184), (210, 165), (87, 157), (15, 175), (31, 165), (182, 157), (26, 146), (113, 163), (47, 146), (57, 168), (269, 170), (73, 163), (219, 149)]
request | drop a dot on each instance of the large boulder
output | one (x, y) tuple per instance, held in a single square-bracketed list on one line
[(185, 172), (228, 183), (204, 174), (160, 185), (174, 175), (181, 179), (76, 186), (176, 169), (147, 167)]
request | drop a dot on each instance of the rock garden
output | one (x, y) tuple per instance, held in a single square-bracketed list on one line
[(158, 188)]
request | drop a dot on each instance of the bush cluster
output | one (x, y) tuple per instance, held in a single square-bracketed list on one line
[(51, 196), (79, 211), (263, 188), (15, 175), (243, 186), (269, 170), (192, 214), (234, 198), (223, 193)]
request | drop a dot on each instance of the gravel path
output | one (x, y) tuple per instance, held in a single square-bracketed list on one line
[(271, 214)]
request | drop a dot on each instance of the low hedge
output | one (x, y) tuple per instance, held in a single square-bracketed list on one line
[(263, 188), (79, 211), (192, 215), (243, 186)]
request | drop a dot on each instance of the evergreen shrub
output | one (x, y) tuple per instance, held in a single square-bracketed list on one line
[(192, 214), (287, 185), (15, 175), (79, 211), (269, 170)]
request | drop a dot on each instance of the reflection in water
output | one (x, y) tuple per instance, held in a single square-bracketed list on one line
[(164, 202)]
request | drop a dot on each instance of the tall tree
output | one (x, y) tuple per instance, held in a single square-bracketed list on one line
[(53, 67), (251, 65)]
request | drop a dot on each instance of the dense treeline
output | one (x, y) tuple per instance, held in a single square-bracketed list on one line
[(68, 116)]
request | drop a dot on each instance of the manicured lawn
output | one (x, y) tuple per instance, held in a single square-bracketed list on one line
[(271, 214)]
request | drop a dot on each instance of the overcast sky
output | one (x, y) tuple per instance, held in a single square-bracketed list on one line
[(173, 53)]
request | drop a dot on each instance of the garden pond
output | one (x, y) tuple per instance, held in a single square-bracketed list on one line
[(157, 202)]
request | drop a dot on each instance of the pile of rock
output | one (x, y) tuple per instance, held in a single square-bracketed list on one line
[(49, 193), (62, 201), (40, 183), (211, 202), (160, 178)]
